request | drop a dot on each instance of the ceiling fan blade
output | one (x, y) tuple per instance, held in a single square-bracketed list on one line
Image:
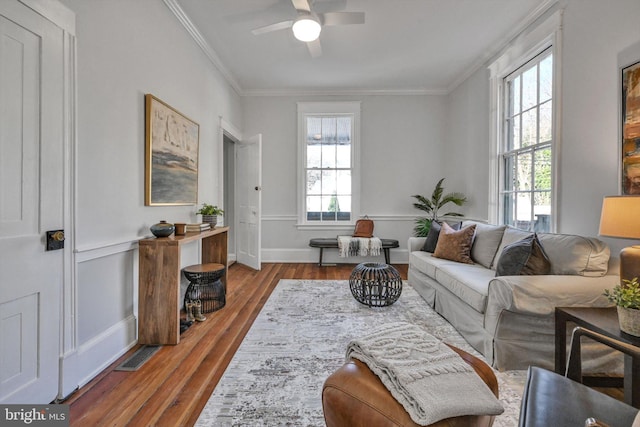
[(273, 27), (301, 5), (341, 18), (315, 49)]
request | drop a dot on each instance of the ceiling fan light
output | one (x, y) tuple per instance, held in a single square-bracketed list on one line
[(306, 29)]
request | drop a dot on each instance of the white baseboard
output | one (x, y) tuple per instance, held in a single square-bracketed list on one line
[(89, 359)]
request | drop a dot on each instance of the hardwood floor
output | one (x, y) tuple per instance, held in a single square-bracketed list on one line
[(174, 385)]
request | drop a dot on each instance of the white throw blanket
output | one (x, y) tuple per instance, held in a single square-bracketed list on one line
[(359, 246), (430, 380)]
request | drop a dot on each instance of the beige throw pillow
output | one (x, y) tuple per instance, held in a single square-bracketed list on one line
[(455, 245)]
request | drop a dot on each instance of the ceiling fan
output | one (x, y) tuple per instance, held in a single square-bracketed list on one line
[(307, 26)]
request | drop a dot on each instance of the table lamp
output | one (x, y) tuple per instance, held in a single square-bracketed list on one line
[(621, 218)]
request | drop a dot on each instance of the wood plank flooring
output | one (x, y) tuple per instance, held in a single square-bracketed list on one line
[(174, 385)]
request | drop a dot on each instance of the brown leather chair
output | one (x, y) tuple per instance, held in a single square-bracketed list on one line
[(354, 396)]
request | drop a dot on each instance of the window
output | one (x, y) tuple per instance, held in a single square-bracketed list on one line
[(527, 152), (525, 128), (328, 142)]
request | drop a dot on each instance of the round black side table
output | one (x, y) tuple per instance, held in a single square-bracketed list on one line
[(205, 285), (375, 285)]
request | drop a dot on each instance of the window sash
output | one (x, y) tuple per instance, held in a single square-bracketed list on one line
[(328, 132), (333, 199), (526, 154)]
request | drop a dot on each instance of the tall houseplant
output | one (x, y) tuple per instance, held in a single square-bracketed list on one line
[(433, 205)]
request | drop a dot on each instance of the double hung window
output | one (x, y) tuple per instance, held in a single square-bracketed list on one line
[(328, 141), (527, 151), (525, 128)]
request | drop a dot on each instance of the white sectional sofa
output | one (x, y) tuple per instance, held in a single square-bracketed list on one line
[(510, 319)]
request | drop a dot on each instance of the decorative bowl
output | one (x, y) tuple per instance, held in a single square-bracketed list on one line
[(162, 229)]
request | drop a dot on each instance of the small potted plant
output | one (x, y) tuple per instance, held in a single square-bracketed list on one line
[(626, 297), (210, 213)]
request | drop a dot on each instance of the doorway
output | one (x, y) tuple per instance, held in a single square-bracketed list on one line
[(242, 186), (229, 191)]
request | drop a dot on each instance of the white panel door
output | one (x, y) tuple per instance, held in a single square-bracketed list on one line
[(31, 202), (249, 201)]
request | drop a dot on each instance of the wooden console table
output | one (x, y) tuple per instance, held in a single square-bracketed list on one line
[(159, 281)]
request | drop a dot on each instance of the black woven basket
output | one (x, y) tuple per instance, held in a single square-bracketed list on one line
[(206, 287), (375, 285)]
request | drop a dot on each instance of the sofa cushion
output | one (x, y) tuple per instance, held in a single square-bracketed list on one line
[(427, 264), (485, 242), (576, 255), (524, 257), (434, 233), (455, 245), (469, 282), (510, 235)]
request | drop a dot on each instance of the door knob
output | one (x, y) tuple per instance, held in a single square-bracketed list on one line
[(258, 188), (55, 240)]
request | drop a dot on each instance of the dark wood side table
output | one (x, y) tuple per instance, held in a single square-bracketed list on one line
[(603, 321)]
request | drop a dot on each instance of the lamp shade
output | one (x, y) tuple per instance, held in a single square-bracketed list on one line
[(620, 217), (306, 28)]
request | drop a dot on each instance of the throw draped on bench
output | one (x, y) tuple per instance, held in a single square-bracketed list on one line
[(359, 246)]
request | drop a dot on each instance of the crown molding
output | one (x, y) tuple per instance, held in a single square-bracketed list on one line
[(197, 36), (348, 92), (193, 31), (501, 45)]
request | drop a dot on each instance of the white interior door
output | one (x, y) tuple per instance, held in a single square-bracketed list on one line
[(31, 202), (249, 200)]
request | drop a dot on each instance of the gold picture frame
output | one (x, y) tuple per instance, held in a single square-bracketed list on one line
[(631, 129), (171, 155)]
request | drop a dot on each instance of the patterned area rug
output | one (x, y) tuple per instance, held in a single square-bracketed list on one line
[(300, 337)]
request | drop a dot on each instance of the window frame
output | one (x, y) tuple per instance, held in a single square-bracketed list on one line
[(329, 109), (507, 152), (527, 47)]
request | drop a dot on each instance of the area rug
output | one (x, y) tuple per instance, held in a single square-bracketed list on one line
[(300, 337)]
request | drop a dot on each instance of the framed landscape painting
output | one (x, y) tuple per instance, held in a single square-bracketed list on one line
[(171, 155), (631, 129)]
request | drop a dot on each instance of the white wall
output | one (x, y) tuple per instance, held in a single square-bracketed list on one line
[(467, 152), (594, 33), (402, 146), (124, 50)]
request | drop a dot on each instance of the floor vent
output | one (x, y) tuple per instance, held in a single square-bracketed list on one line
[(138, 358)]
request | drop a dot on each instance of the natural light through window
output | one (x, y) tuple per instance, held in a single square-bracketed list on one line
[(328, 141), (328, 168), (528, 145)]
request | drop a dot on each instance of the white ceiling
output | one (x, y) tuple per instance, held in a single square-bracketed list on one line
[(405, 46)]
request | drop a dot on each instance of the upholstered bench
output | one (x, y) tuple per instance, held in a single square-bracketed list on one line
[(354, 396), (332, 243)]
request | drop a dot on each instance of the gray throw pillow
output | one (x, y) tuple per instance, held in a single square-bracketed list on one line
[(485, 242), (432, 237), (524, 257), (510, 235)]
